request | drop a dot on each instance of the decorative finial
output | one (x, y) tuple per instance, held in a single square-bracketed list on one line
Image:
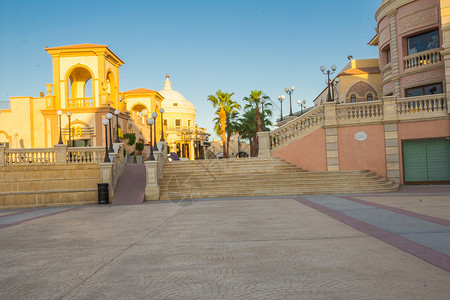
[(167, 76)]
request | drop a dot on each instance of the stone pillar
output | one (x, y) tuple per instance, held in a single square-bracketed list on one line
[(60, 154), (392, 152), (330, 113), (106, 170), (332, 147), (390, 109), (152, 186), (2, 155), (264, 144), (162, 146)]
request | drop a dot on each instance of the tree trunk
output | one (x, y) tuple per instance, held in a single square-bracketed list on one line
[(228, 143), (258, 119), (222, 118)]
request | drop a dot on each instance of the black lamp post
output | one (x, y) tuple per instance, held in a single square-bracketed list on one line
[(328, 72), (263, 127), (281, 98), (301, 103), (60, 112), (105, 122), (150, 122), (109, 116), (154, 116), (289, 91), (117, 113), (69, 115), (161, 110)]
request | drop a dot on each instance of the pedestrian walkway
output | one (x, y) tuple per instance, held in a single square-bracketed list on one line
[(367, 246), (130, 187)]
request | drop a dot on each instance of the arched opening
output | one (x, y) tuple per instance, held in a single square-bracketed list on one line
[(112, 89), (79, 88), (140, 113)]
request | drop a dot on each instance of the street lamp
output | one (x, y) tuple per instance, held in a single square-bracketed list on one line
[(60, 112), (328, 72), (150, 122), (117, 113), (154, 116), (301, 103), (105, 122), (281, 98), (263, 127), (69, 115), (289, 91), (109, 117), (161, 110)]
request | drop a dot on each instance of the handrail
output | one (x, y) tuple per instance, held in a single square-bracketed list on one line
[(85, 155), (29, 156), (423, 58), (421, 104), (297, 127), (359, 111), (81, 102)]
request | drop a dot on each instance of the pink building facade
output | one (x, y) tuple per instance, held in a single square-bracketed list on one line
[(403, 133)]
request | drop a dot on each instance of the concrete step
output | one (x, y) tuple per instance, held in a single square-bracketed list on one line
[(45, 184)]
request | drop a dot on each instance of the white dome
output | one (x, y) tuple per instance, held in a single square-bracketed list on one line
[(174, 101)]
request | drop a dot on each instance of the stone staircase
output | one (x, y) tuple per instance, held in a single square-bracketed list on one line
[(48, 185), (261, 177)]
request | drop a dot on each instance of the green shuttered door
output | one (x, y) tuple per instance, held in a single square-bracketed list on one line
[(426, 160)]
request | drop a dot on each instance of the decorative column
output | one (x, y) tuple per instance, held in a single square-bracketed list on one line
[(264, 144), (391, 138), (331, 136), (50, 99), (395, 64), (152, 186)]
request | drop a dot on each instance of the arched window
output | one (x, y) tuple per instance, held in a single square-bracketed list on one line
[(369, 97), (353, 98)]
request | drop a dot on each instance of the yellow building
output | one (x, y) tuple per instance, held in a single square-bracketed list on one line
[(85, 88), (183, 134)]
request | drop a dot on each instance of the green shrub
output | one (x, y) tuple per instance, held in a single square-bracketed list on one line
[(131, 138), (139, 146)]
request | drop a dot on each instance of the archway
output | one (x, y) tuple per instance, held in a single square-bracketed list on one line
[(80, 88)]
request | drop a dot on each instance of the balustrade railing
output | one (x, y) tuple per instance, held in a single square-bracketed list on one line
[(422, 104), (297, 127), (85, 155), (81, 102), (372, 110), (30, 156), (424, 58)]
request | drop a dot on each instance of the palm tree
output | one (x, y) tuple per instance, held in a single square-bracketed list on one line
[(222, 101), (254, 102)]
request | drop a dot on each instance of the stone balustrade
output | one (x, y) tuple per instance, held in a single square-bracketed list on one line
[(29, 156), (390, 109), (297, 127), (431, 104), (372, 110), (60, 154), (85, 155), (81, 102), (421, 59)]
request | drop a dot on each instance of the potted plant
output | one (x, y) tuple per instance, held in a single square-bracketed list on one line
[(139, 147), (130, 140)]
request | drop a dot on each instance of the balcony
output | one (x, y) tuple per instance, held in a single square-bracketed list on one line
[(422, 59), (81, 102)]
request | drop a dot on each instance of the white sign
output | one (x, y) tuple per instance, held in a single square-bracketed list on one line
[(360, 136)]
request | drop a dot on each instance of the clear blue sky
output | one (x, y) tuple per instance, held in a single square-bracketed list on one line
[(205, 45)]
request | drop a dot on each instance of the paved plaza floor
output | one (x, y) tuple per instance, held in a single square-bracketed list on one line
[(371, 246)]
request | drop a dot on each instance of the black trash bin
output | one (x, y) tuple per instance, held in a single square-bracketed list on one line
[(103, 193)]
